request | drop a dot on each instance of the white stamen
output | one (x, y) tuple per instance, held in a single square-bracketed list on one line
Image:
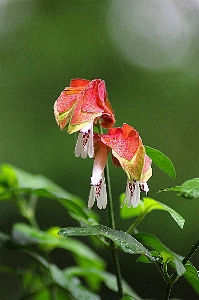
[(98, 192), (102, 199), (132, 193), (144, 187), (84, 145), (79, 145), (136, 195), (91, 198), (90, 144)]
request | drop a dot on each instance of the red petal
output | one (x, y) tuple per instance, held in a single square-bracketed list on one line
[(147, 164), (78, 82), (90, 101), (102, 90), (124, 141), (87, 101), (65, 102)]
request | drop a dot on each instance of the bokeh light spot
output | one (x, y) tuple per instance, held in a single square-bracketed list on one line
[(154, 34)]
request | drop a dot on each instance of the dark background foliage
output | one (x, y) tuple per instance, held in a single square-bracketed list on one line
[(154, 87)]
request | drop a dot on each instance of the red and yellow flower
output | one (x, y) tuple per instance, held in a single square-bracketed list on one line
[(129, 153), (79, 107)]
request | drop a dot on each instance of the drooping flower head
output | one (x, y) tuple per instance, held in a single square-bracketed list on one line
[(129, 153), (80, 106)]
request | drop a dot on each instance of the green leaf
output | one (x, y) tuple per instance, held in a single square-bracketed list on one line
[(73, 285), (154, 243), (25, 235), (151, 241), (161, 161), (191, 276), (174, 189), (122, 239), (144, 259), (104, 276), (129, 212), (26, 183), (7, 180), (168, 257), (146, 206), (189, 189), (19, 179), (7, 176)]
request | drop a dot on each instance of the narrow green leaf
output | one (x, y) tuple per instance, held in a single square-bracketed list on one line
[(146, 206), (161, 161), (169, 189), (122, 239)]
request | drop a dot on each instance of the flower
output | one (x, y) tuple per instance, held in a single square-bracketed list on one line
[(129, 153), (79, 107)]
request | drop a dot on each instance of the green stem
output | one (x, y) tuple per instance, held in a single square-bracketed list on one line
[(33, 222), (174, 277), (136, 223), (190, 253), (113, 247), (33, 204), (168, 291), (110, 199), (139, 219)]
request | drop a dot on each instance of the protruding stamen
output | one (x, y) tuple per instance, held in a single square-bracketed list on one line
[(132, 193), (84, 145), (98, 192), (144, 187)]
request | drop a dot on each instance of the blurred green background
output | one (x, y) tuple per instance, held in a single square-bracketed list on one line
[(148, 54)]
